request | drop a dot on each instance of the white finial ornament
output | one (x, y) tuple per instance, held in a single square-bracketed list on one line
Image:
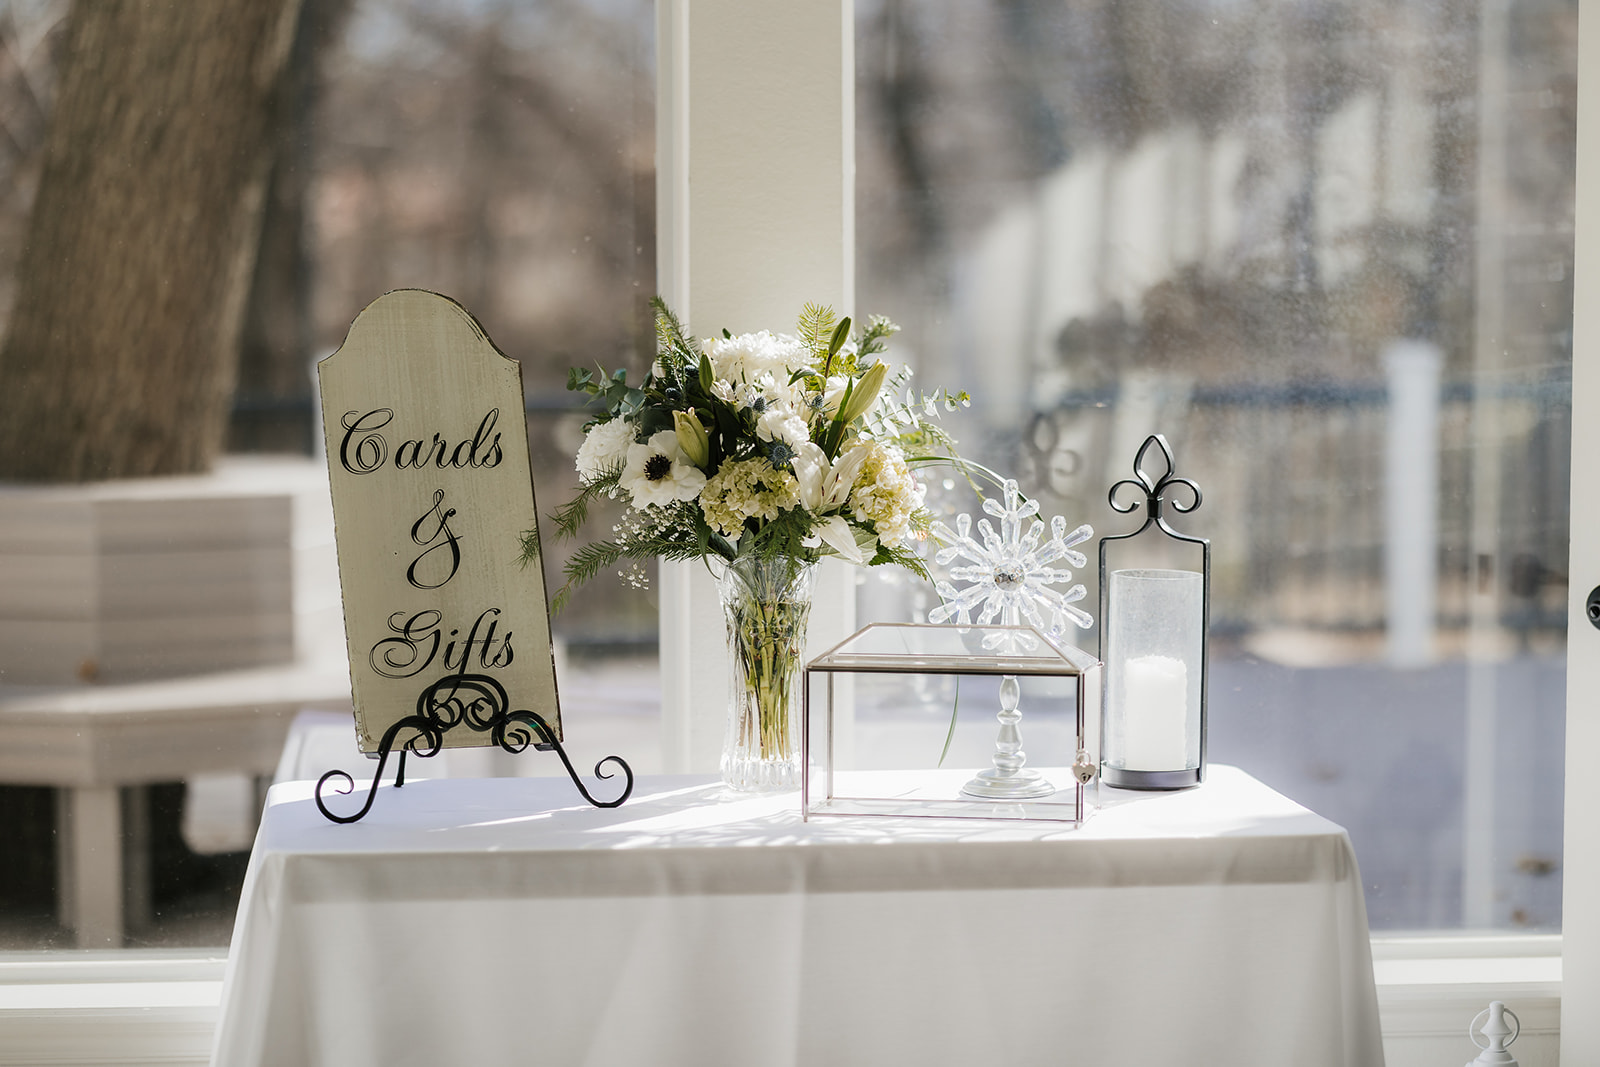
[(1496, 1033)]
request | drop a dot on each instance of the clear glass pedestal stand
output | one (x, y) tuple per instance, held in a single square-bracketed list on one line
[(1008, 778)]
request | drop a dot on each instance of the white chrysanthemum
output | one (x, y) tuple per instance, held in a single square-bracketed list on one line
[(781, 392), (746, 489), (604, 447), (749, 355), (780, 422), (657, 472), (885, 493)]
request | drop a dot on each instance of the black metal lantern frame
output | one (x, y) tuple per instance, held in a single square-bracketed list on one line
[(1157, 491)]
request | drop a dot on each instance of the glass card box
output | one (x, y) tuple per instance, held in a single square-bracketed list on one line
[(903, 719)]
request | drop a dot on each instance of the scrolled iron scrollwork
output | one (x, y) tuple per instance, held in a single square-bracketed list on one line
[(480, 703), (1153, 491)]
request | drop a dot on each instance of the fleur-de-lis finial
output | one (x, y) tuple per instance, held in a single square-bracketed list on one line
[(1153, 489)]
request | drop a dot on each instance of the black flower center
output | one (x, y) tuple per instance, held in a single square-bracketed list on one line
[(657, 467)]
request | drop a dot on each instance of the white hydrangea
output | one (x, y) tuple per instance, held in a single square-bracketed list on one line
[(885, 493), (746, 357), (604, 447), (657, 472), (746, 489)]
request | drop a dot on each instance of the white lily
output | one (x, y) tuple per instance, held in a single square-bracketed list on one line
[(826, 486), (837, 535)]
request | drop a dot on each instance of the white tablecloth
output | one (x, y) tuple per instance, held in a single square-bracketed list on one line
[(501, 921)]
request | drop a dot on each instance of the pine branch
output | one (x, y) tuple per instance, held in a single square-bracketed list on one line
[(901, 557), (672, 341), (530, 548), (816, 326), (584, 564), (569, 517)]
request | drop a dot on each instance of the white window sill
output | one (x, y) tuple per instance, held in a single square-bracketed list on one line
[(130, 1007), (1430, 988)]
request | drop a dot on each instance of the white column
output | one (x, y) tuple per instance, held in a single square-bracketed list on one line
[(1411, 501), (755, 169), (1580, 887)]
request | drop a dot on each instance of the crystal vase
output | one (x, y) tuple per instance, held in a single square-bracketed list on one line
[(766, 603)]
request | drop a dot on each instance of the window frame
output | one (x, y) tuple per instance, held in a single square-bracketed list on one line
[(1535, 970)]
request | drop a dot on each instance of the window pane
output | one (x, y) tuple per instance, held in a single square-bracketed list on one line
[(499, 153), (1325, 247)]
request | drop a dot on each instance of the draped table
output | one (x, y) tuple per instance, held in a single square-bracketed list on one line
[(490, 921)]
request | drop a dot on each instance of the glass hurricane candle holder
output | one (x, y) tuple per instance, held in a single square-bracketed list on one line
[(1153, 625)]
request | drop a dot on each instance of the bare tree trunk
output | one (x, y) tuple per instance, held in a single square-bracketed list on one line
[(272, 409), (123, 345)]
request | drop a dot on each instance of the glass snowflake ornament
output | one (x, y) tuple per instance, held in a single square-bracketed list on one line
[(1011, 576), (1011, 572)]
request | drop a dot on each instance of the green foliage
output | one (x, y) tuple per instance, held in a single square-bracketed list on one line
[(528, 546), (619, 398), (674, 347), (665, 537), (585, 563), (575, 512), (872, 339), (901, 556), (815, 329)]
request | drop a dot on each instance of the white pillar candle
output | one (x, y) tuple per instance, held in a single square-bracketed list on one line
[(1155, 714)]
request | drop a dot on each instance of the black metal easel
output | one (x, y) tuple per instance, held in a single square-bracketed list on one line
[(479, 702)]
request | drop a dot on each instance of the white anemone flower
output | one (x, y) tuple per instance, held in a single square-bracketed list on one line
[(658, 472)]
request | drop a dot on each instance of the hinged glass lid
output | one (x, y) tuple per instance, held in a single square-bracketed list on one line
[(953, 649)]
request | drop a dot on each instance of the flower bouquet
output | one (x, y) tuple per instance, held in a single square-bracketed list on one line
[(759, 453)]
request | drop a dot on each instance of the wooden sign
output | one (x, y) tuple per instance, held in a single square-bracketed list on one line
[(428, 465)]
